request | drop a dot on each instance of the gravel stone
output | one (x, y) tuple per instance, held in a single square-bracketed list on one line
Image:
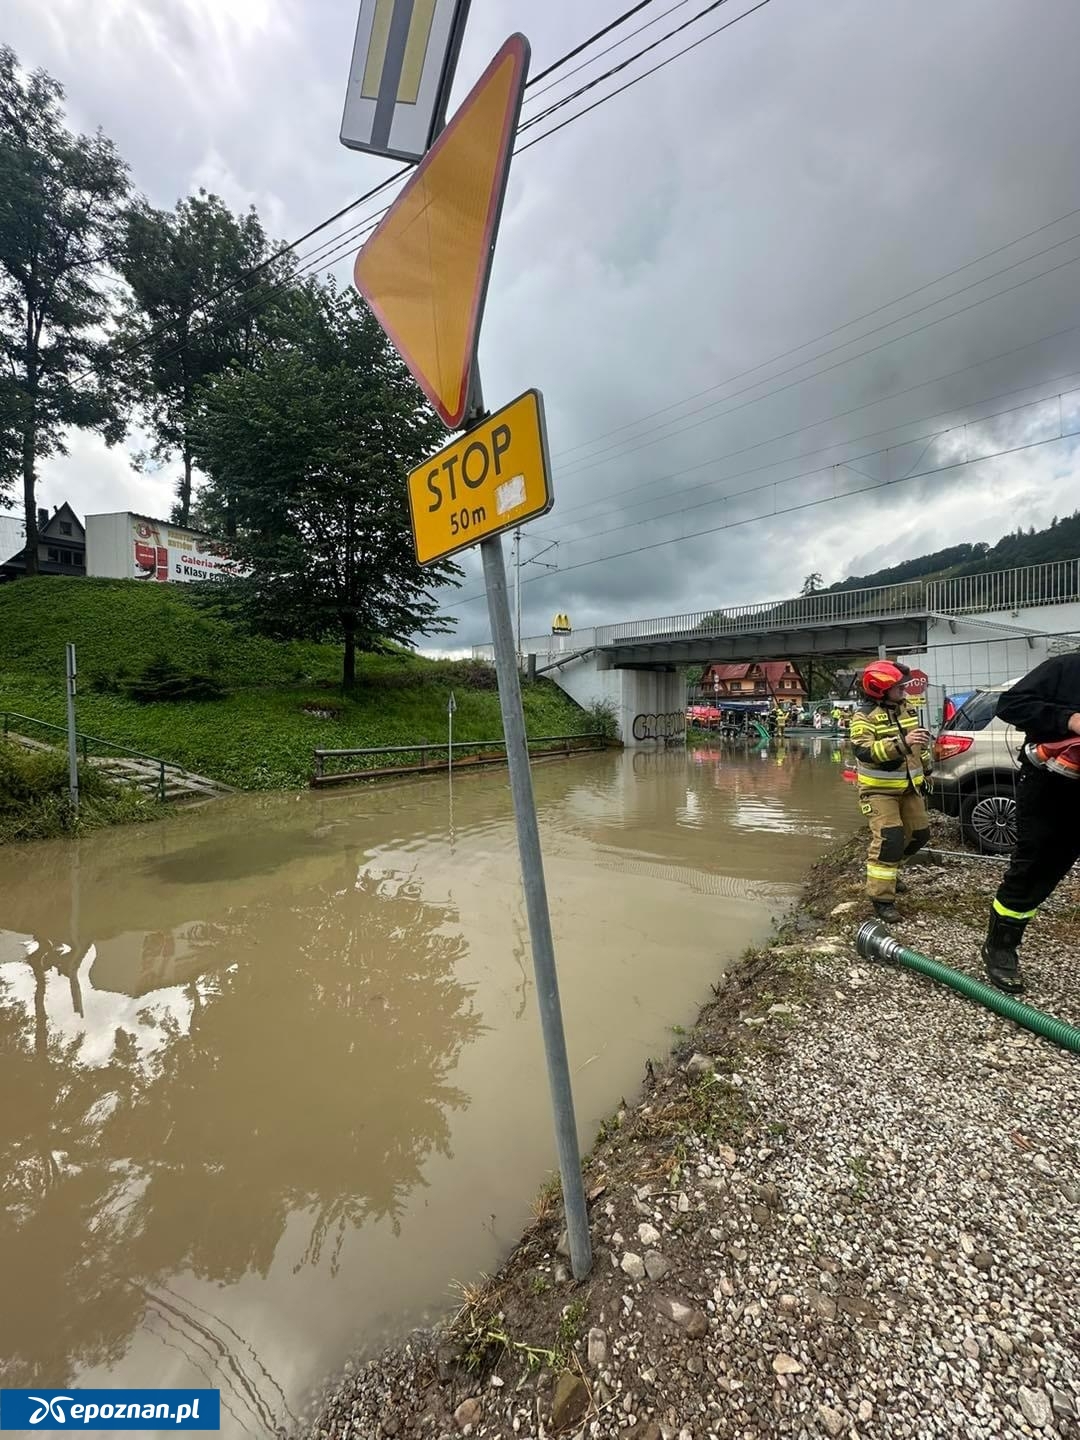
[(1035, 1407), (633, 1265), (834, 1421)]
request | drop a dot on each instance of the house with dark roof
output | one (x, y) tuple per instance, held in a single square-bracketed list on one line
[(61, 546), (758, 680)]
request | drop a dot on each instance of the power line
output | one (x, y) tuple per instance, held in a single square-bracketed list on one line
[(331, 255), (608, 49), (601, 458), (826, 335), (643, 76), (859, 355), (794, 509), (617, 69), (584, 45), (848, 463), (838, 415), (292, 245)]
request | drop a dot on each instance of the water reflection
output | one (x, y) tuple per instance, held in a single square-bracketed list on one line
[(272, 1073), (124, 1162)]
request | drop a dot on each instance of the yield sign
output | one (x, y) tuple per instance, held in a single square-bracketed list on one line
[(425, 270)]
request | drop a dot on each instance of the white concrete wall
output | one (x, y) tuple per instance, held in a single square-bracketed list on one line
[(972, 656), (108, 545), (635, 695), (1050, 618)]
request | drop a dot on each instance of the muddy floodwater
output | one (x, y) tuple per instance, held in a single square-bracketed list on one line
[(270, 1073)]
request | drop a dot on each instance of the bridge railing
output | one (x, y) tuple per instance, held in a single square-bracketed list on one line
[(834, 607), (1057, 582)]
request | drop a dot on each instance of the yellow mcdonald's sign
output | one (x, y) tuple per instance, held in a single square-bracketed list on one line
[(561, 625)]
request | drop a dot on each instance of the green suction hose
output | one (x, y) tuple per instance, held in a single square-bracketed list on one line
[(874, 942)]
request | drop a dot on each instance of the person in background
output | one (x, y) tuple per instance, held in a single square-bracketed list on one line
[(1045, 705), (892, 758)]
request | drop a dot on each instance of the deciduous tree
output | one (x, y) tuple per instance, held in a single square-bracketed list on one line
[(61, 201), (310, 447), (201, 297)]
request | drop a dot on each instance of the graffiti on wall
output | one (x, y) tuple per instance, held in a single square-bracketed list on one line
[(671, 726)]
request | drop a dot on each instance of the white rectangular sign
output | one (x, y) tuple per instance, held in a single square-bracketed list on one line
[(402, 69)]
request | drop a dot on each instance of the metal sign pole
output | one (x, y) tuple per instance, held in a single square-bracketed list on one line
[(73, 757), (532, 874)]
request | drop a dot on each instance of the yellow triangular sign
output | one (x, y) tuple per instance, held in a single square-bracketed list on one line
[(425, 270)]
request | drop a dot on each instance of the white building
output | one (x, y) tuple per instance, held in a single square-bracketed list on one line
[(135, 547)]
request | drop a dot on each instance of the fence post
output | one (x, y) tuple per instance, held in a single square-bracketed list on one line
[(161, 781)]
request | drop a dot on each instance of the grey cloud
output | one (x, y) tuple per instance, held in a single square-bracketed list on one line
[(798, 170)]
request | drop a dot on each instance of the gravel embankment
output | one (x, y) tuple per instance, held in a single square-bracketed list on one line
[(855, 1213)]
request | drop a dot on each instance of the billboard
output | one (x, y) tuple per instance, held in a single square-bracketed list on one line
[(164, 552)]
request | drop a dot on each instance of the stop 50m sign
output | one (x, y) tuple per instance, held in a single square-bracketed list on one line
[(493, 478)]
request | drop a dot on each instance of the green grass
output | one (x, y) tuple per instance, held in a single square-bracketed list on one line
[(34, 801), (258, 737)]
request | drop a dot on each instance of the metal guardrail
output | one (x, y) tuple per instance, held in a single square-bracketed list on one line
[(836, 607), (1055, 583), (425, 748), (84, 741)]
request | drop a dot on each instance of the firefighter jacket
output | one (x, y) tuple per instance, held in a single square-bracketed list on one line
[(882, 759)]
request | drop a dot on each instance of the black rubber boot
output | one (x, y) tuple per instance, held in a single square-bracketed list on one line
[(999, 953), (887, 911)]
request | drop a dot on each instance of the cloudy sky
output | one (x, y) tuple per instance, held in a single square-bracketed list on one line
[(726, 281)]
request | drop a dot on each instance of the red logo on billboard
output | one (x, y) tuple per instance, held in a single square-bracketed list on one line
[(151, 562)]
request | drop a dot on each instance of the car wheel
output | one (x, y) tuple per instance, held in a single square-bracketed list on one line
[(988, 820)]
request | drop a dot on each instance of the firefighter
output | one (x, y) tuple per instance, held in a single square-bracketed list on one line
[(1045, 705), (892, 755)]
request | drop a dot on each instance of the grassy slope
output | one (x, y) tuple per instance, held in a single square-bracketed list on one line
[(258, 737)]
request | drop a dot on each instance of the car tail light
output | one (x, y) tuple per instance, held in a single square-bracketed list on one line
[(948, 746)]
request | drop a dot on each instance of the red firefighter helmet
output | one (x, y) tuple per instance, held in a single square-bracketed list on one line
[(879, 678)]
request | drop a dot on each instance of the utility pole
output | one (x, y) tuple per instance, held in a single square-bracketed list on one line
[(533, 560)]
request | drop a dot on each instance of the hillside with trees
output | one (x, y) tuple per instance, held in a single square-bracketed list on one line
[(1059, 541)]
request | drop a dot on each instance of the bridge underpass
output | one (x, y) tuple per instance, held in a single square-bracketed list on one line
[(637, 666)]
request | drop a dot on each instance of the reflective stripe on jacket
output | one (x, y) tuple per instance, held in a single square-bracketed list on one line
[(882, 759)]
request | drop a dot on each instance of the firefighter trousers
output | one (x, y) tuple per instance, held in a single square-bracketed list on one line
[(899, 826), (1047, 841)]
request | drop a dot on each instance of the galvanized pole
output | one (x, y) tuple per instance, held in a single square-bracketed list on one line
[(532, 874), (517, 593), (73, 757)]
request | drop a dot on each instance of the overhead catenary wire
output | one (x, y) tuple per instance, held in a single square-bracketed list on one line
[(591, 462), (848, 463), (793, 509), (657, 480), (825, 335)]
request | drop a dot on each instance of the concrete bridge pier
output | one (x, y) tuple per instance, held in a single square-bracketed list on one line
[(649, 701)]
